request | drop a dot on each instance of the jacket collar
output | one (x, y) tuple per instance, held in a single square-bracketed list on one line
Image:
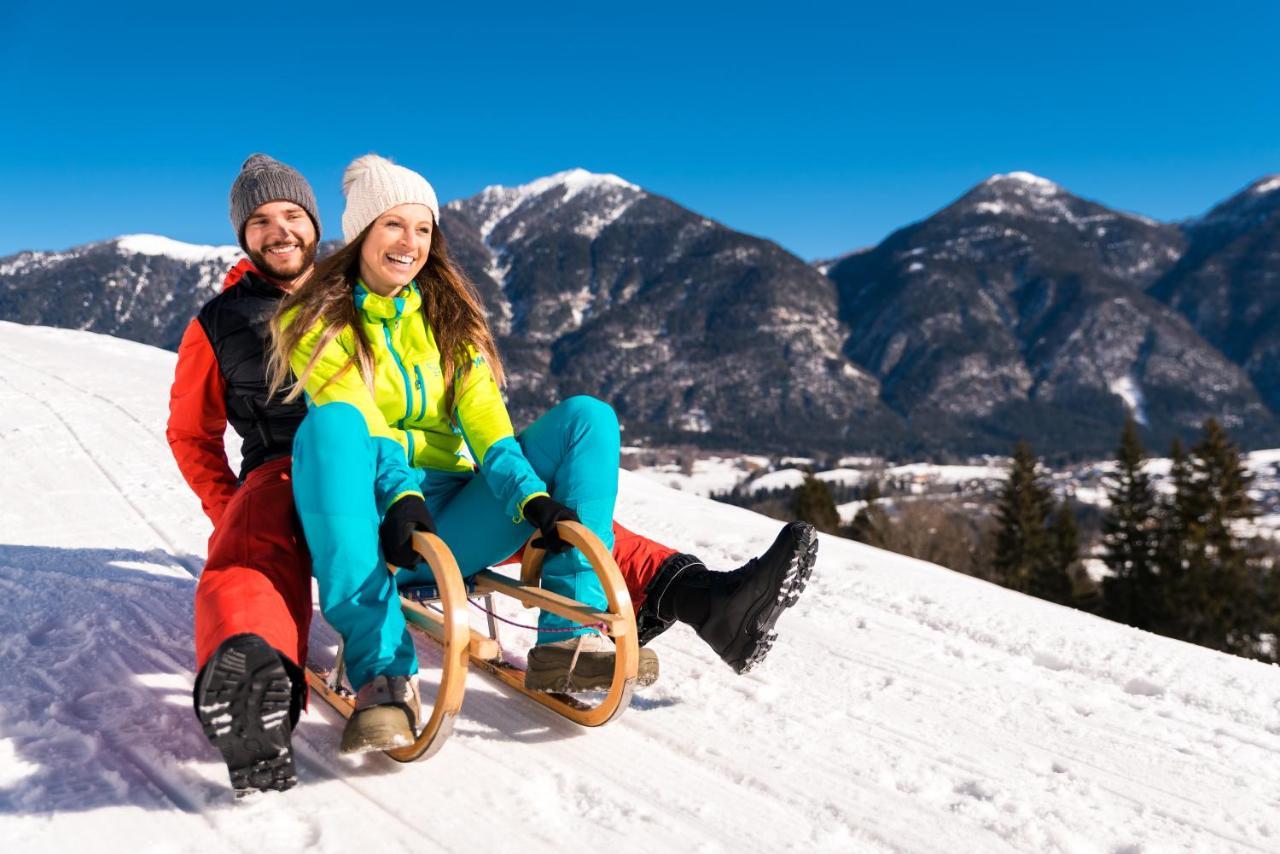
[(242, 268), (376, 307), (245, 275)]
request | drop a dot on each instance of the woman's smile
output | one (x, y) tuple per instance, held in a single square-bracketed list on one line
[(396, 247)]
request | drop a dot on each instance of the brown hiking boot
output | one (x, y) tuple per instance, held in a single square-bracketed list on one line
[(386, 715), (578, 664)]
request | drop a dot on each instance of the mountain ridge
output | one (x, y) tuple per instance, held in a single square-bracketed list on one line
[(1017, 309)]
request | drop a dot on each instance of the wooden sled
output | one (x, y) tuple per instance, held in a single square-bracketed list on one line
[(450, 628)]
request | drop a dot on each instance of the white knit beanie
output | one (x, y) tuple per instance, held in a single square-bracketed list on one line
[(374, 185)]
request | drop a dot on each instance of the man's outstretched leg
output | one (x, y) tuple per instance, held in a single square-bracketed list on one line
[(734, 612), (253, 612)]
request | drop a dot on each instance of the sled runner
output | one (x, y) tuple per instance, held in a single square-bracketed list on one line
[(440, 613)]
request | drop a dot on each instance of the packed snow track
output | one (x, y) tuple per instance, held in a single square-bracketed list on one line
[(904, 708)]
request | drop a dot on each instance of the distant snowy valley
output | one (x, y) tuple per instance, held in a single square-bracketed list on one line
[(712, 475)]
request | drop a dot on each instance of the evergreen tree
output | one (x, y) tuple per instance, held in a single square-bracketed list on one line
[(1220, 590), (813, 504), (1177, 518), (1022, 542), (870, 524), (1052, 580), (1130, 538)]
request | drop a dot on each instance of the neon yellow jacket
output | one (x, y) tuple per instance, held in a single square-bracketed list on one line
[(406, 409)]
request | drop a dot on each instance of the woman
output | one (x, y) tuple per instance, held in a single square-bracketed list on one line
[(400, 369)]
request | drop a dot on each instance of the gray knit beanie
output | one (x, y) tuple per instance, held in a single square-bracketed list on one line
[(374, 185), (264, 179)]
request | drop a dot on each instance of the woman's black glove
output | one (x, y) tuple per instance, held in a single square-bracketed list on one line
[(543, 512), (407, 515)]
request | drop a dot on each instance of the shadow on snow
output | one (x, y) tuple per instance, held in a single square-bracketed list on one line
[(99, 656)]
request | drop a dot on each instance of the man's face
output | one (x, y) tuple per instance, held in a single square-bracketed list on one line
[(281, 241)]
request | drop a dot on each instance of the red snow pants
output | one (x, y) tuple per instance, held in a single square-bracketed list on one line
[(257, 578)]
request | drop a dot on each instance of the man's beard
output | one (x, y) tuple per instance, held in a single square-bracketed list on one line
[(284, 273)]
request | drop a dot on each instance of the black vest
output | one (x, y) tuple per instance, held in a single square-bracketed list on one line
[(237, 323)]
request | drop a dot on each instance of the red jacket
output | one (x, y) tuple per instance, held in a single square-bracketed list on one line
[(221, 378)]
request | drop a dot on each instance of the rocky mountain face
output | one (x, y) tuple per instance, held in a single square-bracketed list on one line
[(1019, 310), (691, 330), (141, 287), (1227, 283)]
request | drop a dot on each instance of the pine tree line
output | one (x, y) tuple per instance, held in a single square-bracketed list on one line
[(1182, 564)]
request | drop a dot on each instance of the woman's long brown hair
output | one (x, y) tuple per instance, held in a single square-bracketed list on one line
[(449, 304)]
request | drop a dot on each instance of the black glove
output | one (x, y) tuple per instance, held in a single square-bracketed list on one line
[(407, 515), (543, 512)]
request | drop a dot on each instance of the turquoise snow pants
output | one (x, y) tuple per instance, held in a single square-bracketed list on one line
[(573, 448)]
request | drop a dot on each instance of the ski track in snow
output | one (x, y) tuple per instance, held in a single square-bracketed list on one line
[(905, 708)]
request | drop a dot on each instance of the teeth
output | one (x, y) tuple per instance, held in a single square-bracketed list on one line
[(282, 250), (400, 259)]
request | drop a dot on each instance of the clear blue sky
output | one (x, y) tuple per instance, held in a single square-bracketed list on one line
[(823, 126)]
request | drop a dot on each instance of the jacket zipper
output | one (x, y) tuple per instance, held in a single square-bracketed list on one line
[(422, 393), (408, 390)]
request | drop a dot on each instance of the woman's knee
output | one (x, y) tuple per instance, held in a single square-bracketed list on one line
[(334, 424), (590, 411), (334, 465)]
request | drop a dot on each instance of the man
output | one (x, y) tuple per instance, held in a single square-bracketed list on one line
[(253, 600)]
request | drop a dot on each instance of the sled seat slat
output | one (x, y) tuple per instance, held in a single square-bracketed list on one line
[(488, 581)]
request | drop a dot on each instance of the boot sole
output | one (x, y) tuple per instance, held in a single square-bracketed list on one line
[(794, 579), (243, 707)]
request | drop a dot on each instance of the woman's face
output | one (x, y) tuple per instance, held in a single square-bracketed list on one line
[(395, 250)]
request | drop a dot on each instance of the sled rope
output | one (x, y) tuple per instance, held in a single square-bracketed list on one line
[(599, 627)]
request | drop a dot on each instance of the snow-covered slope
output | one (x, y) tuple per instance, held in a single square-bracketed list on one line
[(905, 708)]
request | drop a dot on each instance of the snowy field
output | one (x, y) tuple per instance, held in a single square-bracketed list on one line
[(905, 707)]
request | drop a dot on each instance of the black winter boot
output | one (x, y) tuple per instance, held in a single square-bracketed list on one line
[(243, 699), (657, 614), (734, 612)]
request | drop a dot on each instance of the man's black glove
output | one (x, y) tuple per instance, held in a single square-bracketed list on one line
[(407, 515), (543, 512)]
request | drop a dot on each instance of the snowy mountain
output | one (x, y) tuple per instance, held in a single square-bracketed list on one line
[(905, 708), (142, 286), (1228, 282), (692, 330), (1020, 310)]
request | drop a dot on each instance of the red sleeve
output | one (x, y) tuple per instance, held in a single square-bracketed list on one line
[(198, 421)]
